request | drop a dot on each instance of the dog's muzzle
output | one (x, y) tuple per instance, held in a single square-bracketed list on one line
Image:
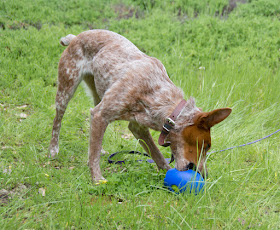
[(191, 166)]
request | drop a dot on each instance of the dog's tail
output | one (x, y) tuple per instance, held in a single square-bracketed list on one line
[(65, 41)]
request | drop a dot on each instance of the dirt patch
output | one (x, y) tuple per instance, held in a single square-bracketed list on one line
[(21, 25), (7, 195), (125, 12), (2, 25), (232, 4), (4, 196), (227, 9)]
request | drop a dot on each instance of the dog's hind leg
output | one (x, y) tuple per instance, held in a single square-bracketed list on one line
[(68, 81), (98, 125), (142, 133)]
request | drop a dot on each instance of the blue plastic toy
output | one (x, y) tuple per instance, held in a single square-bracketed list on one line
[(181, 181)]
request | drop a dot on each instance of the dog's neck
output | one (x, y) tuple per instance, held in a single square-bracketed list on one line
[(158, 97), (161, 111)]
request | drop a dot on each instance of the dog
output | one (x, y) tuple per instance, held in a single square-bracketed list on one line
[(126, 84)]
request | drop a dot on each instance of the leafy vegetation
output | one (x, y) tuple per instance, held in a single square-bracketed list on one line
[(225, 54)]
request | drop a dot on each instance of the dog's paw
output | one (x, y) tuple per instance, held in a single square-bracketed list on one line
[(53, 152), (99, 182), (165, 167)]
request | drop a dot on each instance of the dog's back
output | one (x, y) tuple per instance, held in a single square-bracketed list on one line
[(112, 65)]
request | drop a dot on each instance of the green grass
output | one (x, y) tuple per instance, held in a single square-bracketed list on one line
[(223, 59)]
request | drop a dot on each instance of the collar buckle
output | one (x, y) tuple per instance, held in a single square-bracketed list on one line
[(170, 121), (168, 125)]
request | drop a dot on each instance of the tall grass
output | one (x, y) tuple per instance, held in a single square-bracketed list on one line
[(220, 58)]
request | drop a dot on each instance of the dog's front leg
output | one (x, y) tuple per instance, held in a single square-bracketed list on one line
[(142, 133), (98, 126)]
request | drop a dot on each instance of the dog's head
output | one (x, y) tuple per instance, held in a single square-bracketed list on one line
[(190, 145)]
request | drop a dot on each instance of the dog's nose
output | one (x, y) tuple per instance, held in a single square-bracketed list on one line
[(191, 166), (203, 172)]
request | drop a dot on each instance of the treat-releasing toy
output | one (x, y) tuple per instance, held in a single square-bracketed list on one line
[(181, 181)]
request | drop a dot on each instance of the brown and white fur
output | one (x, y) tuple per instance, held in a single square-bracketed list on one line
[(126, 84)]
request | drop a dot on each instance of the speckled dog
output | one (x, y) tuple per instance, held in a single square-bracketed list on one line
[(126, 84)]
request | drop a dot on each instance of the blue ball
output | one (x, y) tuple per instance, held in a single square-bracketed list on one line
[(181, 181)]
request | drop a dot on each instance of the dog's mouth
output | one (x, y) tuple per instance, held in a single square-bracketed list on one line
[(185, 165), (191, 166)]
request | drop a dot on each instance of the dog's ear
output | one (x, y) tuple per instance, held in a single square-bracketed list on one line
[(206, 120)]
